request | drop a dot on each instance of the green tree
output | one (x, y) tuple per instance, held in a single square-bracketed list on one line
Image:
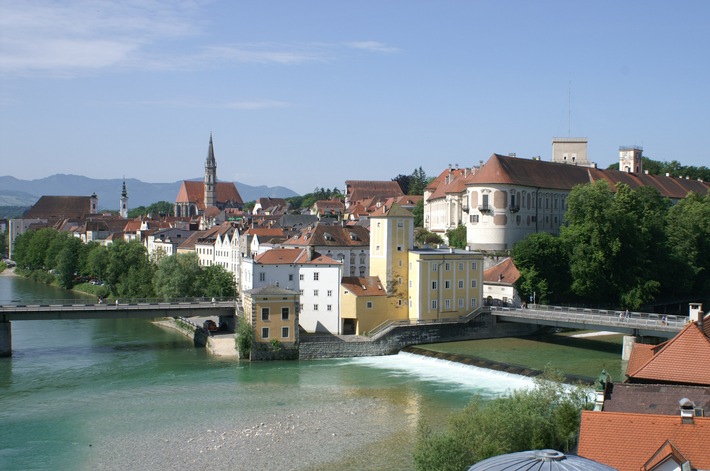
[(457, 236), (425, 236), (418, 212), (68, 261), (155, 209), (417, 182), (126, 259), (97, 261), (54, 247), (177, 276), (4, 243), (543, 264), (546, 416), (688, 231), (216, 281)]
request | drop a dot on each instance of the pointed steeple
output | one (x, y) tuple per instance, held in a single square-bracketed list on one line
[(123, 208), (210, 177)]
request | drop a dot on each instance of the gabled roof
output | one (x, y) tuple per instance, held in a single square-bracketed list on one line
[(363, 285), (292, 256), (682, 360), (500, 169), (504, 273), (62, 207), (393, 211), (194, 192), (362, 189), (189, 243), (331, 236), (628, 441), (265, 232)]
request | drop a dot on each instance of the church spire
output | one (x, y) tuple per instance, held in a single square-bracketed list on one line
[(123, 211), (210, 177)]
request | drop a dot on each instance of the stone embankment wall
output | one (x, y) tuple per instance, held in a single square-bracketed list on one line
[(482, 327)]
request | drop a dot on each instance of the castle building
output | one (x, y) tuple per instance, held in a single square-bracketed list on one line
[(195, 197)]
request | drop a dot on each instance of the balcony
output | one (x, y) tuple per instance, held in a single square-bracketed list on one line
[(514, 208), (484, 208), (464, 207)]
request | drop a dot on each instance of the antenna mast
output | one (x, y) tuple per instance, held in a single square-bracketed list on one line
[(569, 110)]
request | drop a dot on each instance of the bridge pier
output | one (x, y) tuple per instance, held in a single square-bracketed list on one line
[(5, 339), (629, 341)]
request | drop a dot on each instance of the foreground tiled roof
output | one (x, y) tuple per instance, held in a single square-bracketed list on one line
[(682, 360), (503, 273), (363, 285), (628, 441), (662, 399)]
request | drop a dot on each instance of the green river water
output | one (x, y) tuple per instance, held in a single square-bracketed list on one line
[(125, 394)]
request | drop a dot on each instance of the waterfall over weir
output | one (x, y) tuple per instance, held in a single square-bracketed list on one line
[(448, 374)]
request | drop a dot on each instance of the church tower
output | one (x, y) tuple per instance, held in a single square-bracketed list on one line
[(210, 177), (630, 159), (123, 211)]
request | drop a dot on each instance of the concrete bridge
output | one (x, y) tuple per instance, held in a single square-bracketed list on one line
[(64, 309), (637, 324)]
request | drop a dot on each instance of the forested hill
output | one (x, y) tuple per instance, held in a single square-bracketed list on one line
[(16, 192)]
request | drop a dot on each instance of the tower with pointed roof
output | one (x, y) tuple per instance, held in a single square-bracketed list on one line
[(123, 211), (210, 177)]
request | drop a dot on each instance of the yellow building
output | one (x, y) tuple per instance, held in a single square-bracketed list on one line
[(418, 284), (444, 283), (273, 314)]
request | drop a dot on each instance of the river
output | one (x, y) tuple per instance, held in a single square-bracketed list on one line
[(127, 394)]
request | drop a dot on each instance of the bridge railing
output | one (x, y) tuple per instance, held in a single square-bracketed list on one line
[(386, 326), (157, 303), (600, 316)]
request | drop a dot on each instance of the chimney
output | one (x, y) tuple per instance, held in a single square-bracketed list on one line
[(687, 410)]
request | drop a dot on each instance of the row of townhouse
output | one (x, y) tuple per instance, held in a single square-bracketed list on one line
[(508, 198)]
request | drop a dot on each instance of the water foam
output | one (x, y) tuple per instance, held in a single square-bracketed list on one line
[(465, 377)]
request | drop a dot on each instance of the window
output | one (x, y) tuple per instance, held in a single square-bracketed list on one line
[(315, 276), (461, 303), (284, 313), (290, 277), (434, 304), (315, 307), (473, 303), (460, 284), (447, 303), (400, 224), (473, 218), (300, 291), (330, 292), (474, 265), (377, 248), (436, 267), (410, 283), (460, 266), (434, 285), (399, 280), (447, 284), (315, 292), (284, 332), (410, 265), (399, 248), (264, 313), (329, 307), (262, 276), (369, 305), (300, 277), (264, 332), (447, 266), (400, 263), (473, 283)]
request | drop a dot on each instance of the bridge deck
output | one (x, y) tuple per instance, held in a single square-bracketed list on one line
[(635, 323)]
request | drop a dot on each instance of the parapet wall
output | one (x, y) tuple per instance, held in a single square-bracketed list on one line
[(482, 327)]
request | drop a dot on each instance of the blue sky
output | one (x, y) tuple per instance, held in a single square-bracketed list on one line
[(313, 93)]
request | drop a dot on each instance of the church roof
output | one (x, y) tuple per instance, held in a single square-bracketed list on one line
[(194, 192)]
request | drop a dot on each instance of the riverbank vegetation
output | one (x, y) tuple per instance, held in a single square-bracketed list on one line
[(619, 247), (545, 416), (121, 269)]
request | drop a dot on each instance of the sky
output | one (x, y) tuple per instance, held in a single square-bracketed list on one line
[(307, 94)]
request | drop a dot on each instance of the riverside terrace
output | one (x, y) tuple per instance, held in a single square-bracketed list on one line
[(61, 309)]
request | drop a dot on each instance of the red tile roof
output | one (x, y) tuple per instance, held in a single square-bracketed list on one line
[(627, 441), (327, 235), (363, 189), (292, 256), (501, 169), (504, 272), (60, 207), (363, 285), (194, 192), (682, 360)]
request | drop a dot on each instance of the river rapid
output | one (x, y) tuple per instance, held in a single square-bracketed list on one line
[(130, 395)]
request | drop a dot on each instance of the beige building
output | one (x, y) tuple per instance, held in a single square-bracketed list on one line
[(273, 314)]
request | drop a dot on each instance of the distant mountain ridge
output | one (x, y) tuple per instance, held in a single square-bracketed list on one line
[(16, 192)]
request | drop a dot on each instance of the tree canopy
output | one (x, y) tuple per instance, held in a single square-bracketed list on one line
[(161, 207)]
